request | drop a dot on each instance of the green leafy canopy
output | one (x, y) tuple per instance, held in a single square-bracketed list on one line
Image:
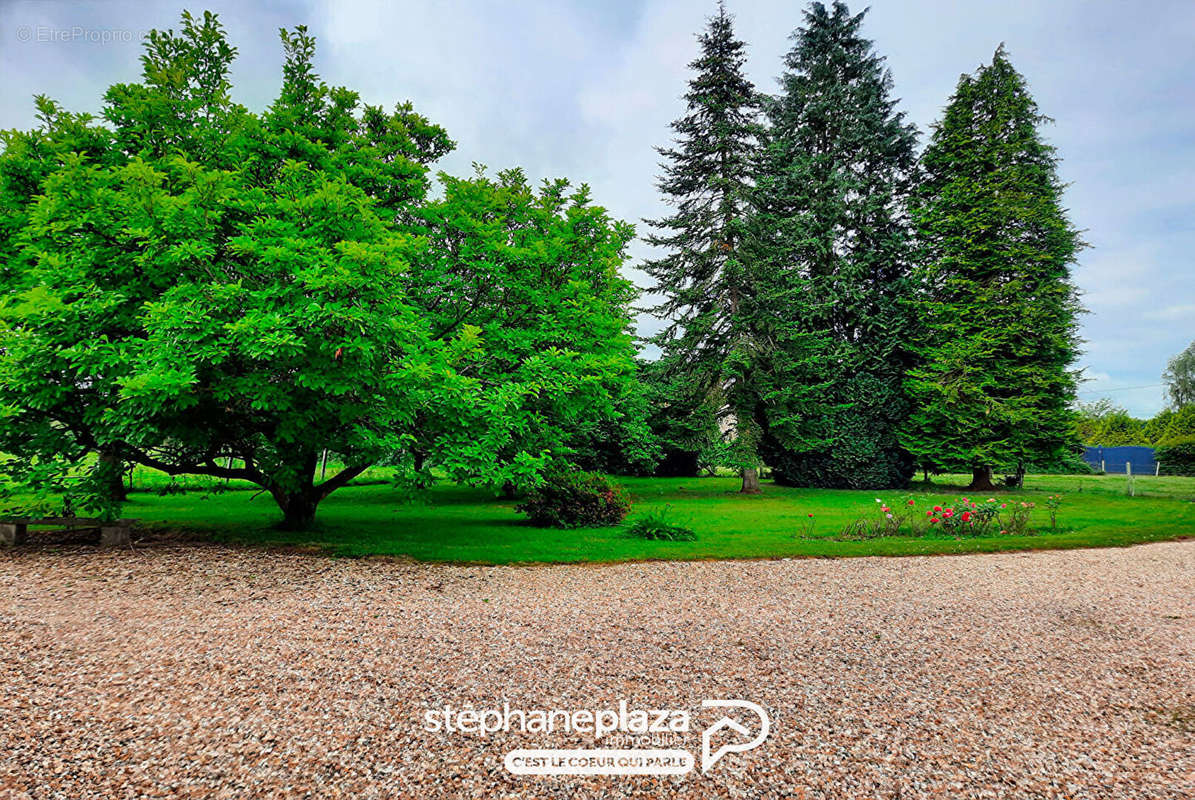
[(203, 289)]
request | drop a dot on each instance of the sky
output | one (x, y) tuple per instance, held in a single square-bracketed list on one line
[(586, 89)]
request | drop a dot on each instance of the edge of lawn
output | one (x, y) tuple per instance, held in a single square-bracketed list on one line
[(889, 547)]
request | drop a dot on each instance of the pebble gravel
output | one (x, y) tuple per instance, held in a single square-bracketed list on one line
[(190, 670)]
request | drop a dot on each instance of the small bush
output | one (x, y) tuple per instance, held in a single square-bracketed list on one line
[(576, 500), (1177, 456), (659, 527), (891, 521)]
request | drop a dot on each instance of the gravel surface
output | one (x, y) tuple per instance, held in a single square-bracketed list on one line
[(203, 671)]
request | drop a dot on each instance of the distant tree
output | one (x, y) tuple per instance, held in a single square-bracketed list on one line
[(204, 290), (1179, 424), (1155, 426), (1121, 429), (707, 345), (1105, 424), (831, 247), (1088, 417), (1180, 378), (994, 388)]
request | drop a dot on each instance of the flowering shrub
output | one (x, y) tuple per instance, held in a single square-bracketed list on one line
[(1053, 502), (895, 517), (575, 500), (892, 521), (967, 517), (1014, 519)]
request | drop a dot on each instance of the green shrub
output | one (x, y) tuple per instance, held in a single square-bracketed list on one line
[(1177, 456), (659, 527), (858, 459), (576, 500)]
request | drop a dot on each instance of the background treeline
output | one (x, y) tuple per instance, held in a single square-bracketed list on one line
[(1104, 424), (1171, 432)]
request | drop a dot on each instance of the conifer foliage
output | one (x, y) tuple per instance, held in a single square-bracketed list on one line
[(994, 388), (830, 245), (707, 348)]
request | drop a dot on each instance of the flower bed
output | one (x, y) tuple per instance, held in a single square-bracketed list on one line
[(964, 518)]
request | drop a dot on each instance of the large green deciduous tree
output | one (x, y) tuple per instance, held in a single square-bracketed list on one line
[(1180, 378), (831, 248), (206, 290), (535, 274), (994, 389), (708, 352)]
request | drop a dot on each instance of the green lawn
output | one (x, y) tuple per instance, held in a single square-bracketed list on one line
[(467, 525)]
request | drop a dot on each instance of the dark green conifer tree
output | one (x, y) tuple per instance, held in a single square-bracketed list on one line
[(707, 349), (994, 388), (830, 245)]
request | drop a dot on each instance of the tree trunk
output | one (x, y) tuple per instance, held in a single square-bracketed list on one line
[(298, 509), (509, 492), (298, 505), (750, 482), (981, 478), (111, 472)]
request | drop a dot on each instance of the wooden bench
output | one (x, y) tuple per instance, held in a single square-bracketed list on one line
[(113, 533)]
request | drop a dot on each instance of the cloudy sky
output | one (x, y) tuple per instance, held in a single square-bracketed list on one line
[(585, 88)]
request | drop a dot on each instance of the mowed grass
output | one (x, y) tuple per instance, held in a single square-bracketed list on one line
[(461, 524)]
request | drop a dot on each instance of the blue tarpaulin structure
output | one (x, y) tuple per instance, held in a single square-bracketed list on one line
[(1114, 459)]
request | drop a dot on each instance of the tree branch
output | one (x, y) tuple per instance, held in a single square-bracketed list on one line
[(339, 479), (210, 467)]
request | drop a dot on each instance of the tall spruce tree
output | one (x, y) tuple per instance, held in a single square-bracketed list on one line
[(830, 245), (994, 387), (706, 346)]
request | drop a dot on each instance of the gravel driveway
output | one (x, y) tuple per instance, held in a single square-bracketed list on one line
[(203, 671)]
